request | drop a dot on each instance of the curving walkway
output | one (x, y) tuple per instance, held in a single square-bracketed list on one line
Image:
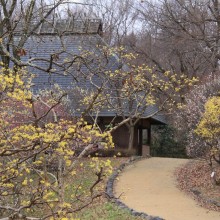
[(149, 186)]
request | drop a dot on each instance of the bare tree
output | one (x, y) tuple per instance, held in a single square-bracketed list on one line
[(118, 18), (182, 36)]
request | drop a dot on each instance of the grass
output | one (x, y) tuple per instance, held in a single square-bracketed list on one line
[(104, 209)]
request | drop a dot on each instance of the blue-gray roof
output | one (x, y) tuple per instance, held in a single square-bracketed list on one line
[(64, 48), (39, 50)]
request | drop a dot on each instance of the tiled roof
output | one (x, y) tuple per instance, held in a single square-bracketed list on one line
[(69, 46), (66, 47)]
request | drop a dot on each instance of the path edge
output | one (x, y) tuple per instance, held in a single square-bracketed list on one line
[(110, 189)]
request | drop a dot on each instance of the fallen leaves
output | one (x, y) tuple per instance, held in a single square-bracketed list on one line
[(194, 179)]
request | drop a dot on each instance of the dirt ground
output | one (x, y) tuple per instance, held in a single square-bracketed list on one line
[(149, 186)]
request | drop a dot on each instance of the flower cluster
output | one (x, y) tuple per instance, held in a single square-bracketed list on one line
[(41, 159)]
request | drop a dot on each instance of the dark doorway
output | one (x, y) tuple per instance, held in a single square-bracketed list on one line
[(143, 139)]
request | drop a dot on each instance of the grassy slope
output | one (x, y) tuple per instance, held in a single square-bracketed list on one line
[(104, 209)]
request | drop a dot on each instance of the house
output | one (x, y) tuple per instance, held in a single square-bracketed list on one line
[(54, 54)]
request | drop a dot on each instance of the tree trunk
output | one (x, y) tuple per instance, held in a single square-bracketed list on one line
[(131, 137)]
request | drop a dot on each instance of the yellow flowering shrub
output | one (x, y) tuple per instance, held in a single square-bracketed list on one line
[(209, 126), (40, 160), (119, 83), (209, 130), (134, 85)]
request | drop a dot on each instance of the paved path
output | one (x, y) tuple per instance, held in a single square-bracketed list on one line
[(149, 186)]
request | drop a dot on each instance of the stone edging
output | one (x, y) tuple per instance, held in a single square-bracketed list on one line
[(199, 195), (118, 202)]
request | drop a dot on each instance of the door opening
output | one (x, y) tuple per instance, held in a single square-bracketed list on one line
[(143, 141)]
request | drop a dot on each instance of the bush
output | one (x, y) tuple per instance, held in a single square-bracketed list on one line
[(167, 143)]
